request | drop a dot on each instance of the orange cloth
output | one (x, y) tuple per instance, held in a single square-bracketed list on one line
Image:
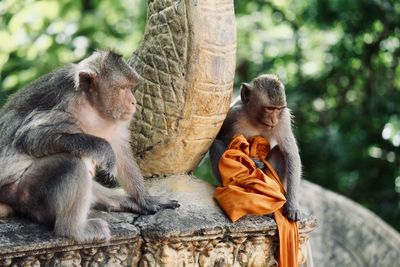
[(249, 190)]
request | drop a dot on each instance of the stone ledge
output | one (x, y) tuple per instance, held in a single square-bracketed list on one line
[(196, 234), (23, 243)]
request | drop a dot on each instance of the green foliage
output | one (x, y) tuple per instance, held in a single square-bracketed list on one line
[(39, 36), (339, 60)]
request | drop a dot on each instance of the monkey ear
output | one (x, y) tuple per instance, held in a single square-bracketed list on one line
[(245, 92), (86, 81)]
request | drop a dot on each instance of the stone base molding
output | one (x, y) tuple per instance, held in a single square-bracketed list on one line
[(196, 234)]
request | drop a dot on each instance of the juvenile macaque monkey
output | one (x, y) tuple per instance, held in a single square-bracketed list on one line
[(262, 110), (57, 133)]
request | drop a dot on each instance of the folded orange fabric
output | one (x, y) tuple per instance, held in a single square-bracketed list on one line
[(247, 189)]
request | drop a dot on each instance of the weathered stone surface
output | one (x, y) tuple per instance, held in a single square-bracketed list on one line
[(23, 243), (200, 234), (186, 62), (348, 234), (196, 234)]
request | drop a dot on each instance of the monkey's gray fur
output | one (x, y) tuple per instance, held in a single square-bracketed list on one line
[(271, 86), (57, 133), (261, 110)]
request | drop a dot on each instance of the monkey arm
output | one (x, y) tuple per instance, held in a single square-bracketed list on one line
[(222, 140), (277, 160), (44, 134), (217, 148), (39, 143), (129, 174), (131, 179), (292, 162)]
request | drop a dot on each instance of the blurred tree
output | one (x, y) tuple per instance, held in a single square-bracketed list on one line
[(38, 36), (339, 60)]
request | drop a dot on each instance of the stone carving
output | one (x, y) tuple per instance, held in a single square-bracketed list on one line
[(246, 249), (67, 258), (186, 64), (197, 234), (112, 255), (252, 250), (160, 61)]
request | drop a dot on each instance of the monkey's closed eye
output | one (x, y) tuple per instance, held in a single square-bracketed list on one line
[(272, 109)]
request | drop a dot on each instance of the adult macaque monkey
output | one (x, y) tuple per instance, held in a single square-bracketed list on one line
[(57, 133), (262, 110)]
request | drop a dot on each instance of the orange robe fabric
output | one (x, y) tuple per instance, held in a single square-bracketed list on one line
[(247, 189)]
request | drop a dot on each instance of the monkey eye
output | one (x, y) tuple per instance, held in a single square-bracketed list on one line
[(271, 109)]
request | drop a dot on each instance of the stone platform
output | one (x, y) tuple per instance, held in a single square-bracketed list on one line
[(196, 234)]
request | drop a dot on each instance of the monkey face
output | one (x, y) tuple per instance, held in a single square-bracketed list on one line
[(263, 110), (108, 85), (124, 104), (120, 79), (269, 116), (117, 102)]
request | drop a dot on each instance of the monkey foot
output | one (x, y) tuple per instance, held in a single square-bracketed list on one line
[(293, 214), (95, 230), (154, 204)]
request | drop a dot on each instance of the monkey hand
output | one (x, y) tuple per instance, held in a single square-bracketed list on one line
[(107, 170), (106, 161), (106, 175), (258, 162), (151, 204), (291, 211)]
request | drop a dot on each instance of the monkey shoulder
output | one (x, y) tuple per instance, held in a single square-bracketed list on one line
[(15, 123), (234, 111), (9, 123), (226, 131), (44, 93), (49, 122)]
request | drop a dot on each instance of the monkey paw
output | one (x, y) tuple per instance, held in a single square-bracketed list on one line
[(106, 175), (258, 162), (95, 230), (292, 213), (154, 204)]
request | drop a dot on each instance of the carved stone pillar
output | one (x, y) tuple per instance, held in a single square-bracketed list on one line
[(186, 64)]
